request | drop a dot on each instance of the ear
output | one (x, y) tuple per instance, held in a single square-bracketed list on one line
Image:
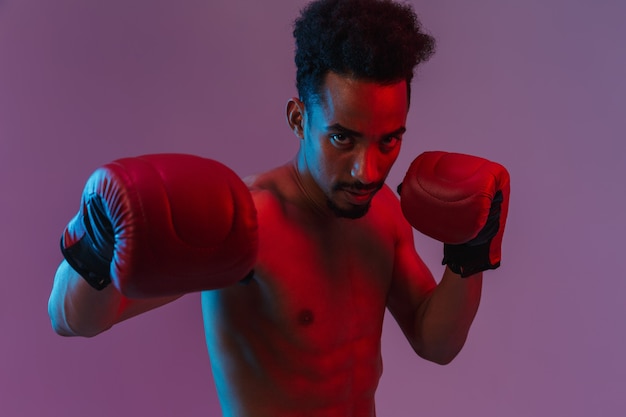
[(295, 116)]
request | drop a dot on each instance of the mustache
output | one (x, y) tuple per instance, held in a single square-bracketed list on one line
[(358, 186)]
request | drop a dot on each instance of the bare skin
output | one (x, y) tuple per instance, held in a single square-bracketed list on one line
[(302, 338), (309, 325)]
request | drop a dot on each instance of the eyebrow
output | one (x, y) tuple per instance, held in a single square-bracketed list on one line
[(339, 128)]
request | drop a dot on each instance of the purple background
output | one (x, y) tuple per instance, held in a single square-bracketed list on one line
[(537, 85)]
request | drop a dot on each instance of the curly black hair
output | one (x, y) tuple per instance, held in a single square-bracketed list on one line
[(378, 40)]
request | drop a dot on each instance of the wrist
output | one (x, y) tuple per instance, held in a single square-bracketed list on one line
[(467, 260)]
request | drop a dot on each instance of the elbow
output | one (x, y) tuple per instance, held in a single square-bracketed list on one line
[(441, 358), (440, 354)]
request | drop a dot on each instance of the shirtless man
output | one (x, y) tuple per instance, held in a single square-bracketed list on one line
[(301, 336)]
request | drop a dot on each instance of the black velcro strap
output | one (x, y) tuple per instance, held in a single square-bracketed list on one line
[(92, 268), (467, 260), (91, 255)]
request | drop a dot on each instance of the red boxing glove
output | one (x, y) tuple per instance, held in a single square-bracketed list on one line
[(460, 200), (163, 224)]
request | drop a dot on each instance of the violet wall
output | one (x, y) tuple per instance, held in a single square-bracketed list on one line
[(538, 86)]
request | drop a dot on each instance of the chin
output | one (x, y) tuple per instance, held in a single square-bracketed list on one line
[(351, 212)]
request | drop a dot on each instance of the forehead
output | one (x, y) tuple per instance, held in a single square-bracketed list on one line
[(362, 104)]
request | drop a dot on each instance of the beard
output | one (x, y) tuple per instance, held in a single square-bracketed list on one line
[(354, 211)]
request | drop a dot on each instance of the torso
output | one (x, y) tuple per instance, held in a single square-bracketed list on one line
[(303, 337)]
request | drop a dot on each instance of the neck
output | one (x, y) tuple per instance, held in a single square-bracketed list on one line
[(310, 196)]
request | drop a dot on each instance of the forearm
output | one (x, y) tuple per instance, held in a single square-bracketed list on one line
[(76, 309), (444, 320)]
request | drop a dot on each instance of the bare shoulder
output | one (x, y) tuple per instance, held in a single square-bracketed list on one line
[(410, 274), (270, 187), (389, 198), (387, 206), (271, 180)]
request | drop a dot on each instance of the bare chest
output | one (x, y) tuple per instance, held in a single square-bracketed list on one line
[(325, 283), (309, 323)]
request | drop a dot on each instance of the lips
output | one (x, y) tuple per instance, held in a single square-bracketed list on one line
[(359, 197)]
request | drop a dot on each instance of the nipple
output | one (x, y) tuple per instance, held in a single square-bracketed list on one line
[(306, 317)]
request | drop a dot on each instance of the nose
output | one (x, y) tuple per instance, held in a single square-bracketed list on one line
[(365, 167)]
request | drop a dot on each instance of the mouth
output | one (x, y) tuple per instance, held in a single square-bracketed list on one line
[(359, 197), (358, 194), (353, 200)]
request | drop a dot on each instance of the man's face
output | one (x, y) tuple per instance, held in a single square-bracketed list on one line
[(350, 139)]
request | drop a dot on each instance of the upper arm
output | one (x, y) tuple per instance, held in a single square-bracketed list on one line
[(411, 285)]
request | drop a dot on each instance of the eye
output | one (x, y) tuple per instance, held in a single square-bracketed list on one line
[(341, 140), (389, 143)]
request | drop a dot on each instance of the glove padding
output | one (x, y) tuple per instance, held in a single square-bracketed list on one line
[(460, 200), (163, 224)]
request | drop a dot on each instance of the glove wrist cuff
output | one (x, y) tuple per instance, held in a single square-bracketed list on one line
[(467, 260), (89, 265)]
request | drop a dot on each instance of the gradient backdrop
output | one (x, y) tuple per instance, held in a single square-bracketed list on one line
[(537, 85)]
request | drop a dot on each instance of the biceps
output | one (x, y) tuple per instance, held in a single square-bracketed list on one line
[(411, 286)]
